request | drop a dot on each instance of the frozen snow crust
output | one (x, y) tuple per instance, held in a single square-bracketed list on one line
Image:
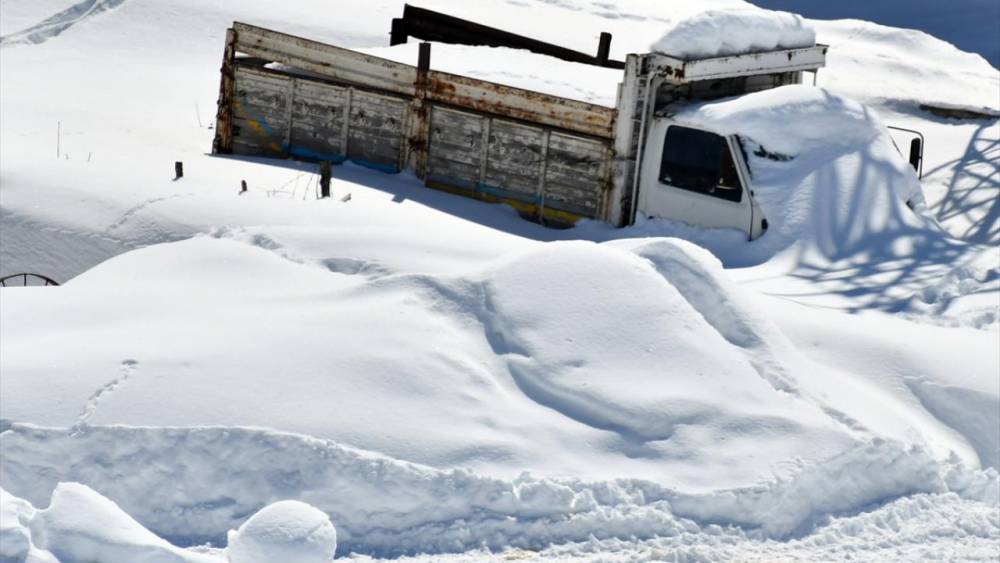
[(717, 33)]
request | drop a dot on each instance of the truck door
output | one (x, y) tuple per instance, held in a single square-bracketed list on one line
[(696, 177)]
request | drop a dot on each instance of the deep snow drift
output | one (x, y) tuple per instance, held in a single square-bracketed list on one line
[(398, 360)]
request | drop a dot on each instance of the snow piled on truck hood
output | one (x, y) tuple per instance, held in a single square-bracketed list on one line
[(717, 33), (825, 171)]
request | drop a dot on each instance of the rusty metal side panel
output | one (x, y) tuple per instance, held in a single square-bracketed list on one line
[(222, 143), (329, 61), (260, 113), (507, 101)]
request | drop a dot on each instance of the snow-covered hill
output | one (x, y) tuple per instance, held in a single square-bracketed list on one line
[(442, 377)]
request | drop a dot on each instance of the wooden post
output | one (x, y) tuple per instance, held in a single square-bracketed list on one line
[(324, 179), (243, 186), (178, 170), (397, 34), (603, 49)]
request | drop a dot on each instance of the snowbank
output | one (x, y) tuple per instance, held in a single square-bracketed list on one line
[(923, 526), (81, 525), (389, 507), (498, 351), (717, 33)]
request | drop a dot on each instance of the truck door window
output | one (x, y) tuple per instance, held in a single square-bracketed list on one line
[(699, 161)]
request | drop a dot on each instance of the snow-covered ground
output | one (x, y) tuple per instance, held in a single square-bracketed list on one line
[(446, 381)]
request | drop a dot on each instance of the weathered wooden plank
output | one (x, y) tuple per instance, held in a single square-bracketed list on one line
[(455, 144), (376, 113), (581, 194), (452, 169), (535, 107), (258, 132), (457, 156), (326, 60)]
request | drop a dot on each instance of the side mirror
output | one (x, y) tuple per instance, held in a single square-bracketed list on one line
[(916, 154)]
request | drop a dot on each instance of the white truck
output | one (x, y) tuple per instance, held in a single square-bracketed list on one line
[(554, 159)]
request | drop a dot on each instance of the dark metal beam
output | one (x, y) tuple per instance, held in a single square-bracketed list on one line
[(429, 25)]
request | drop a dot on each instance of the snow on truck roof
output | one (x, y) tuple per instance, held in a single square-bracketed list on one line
[(718, 33)]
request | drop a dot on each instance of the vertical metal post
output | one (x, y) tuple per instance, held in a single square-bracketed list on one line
[(421, 113), (603, 49), (58, 137), (397, 34), (178, 170), (424, 57)]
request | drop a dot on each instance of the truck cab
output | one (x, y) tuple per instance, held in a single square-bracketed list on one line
[(681, 171)]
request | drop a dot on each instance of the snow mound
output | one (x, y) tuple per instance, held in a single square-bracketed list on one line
[(81, 525), (288, 530), (717, 33), (497, 351), (791, 120)]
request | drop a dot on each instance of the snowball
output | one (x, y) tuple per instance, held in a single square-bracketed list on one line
[(717, 33), (284, 531)]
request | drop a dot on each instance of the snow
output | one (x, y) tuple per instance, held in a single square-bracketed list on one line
[(288, 530), (81, 525), (514, 67), (445, 381), (916, 527), (717, 33)]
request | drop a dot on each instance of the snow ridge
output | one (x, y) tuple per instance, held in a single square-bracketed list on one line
[(60, 22), (388, 507)]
